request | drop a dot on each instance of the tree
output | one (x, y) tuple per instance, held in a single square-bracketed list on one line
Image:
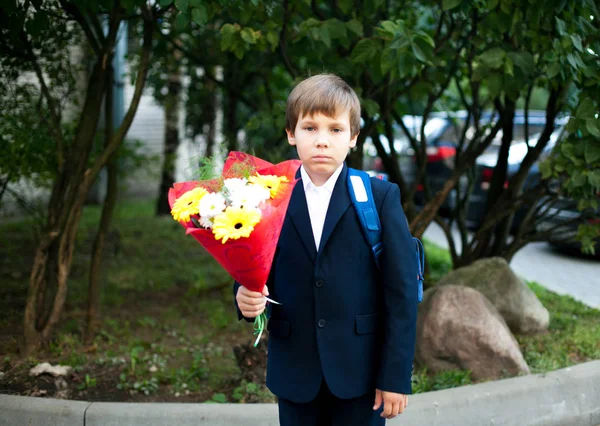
[(482, 57), (24, 31)]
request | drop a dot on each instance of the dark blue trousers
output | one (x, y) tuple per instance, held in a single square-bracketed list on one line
[(328, 410)]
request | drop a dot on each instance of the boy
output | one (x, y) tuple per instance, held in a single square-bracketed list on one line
[(341, 343)]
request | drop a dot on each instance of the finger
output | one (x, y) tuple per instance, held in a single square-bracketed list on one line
[(255, 301), (401, 407), (265, 291), (253, 310), (395, 410), (387, 408), (246, 292), (378, 400)]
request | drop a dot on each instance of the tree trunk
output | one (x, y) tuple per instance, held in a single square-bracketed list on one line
[(94, 285), (55, 248), (211, 134), (172, 112)]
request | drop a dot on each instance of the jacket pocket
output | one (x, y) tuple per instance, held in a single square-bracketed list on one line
[(278, 328), (367, 324)]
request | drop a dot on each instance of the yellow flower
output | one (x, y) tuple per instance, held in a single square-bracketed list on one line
[(270, 182), (235, 223), (188, 204)]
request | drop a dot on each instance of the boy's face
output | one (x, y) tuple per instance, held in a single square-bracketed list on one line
[(322, 143)]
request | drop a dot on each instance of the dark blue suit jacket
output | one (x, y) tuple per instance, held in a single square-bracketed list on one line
[(341, 318)]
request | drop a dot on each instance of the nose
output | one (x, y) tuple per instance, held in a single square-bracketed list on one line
[(322, 141)]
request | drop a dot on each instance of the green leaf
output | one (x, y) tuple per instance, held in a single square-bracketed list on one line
[(346, 5), (356, 27), (545, 169), (337, 29), (594, 178), (560, 26), (196, 3), (592, 152), (364, 51), (422, 50), (388, 60), (585, 109), (371, 107), (325, 36), (493, 58), (390, 27), (492, 4), (509, 67), (578, 179), (219, 397), (228, 32), (248, 35), (273, 39), (577, 42), (182, 5), (200, 15), (494, 83), (523, 60), (572, 60), (553, 70), (182, 21), (450, 4), (591, 124), (164, 3)]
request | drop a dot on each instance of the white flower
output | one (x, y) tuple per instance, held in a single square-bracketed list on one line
[(206, 222), (262, 193), (234, 184), (211, 205), (247, 197)]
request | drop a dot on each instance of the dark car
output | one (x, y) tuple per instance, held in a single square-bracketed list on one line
[(562, 220), (442, 132), (486, 163)]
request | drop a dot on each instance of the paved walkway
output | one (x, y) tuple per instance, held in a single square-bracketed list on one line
[(561, 273)]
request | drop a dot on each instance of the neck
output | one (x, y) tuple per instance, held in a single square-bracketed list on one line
[(318, 179)]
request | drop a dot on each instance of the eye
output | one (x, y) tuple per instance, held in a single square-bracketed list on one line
[(337, 130), (309, 128)]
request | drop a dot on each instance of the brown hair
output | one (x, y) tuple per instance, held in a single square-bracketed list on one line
[(325, 94)]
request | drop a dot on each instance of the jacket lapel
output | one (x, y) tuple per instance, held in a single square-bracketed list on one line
[(298, 212), (339, 203)]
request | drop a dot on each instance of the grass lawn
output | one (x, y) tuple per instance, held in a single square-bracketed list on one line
[(169, 325)]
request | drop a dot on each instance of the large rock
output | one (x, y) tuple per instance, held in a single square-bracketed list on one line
[(518, 305), (458, 328)]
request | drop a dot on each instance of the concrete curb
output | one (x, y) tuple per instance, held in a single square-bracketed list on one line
[(568, 397)]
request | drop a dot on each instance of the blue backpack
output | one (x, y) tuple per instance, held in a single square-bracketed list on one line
[(361, 194)]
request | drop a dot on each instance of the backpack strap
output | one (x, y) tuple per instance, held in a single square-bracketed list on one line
[(361, 194)]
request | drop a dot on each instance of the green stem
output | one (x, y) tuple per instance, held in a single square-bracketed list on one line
[(259, 326)]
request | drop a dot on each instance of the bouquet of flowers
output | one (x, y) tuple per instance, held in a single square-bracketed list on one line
[(238, 217)]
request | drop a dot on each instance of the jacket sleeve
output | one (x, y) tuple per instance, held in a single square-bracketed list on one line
[(399, 274)]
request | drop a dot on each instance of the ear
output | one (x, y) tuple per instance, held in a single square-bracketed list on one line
[(353, 140), (291, 138)]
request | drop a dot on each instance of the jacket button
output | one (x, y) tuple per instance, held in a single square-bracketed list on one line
[(321, 323), (319, 283)]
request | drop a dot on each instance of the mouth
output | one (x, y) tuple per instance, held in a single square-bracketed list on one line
[(321, 158)]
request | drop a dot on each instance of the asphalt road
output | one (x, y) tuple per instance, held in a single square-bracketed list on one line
[(557, 271)]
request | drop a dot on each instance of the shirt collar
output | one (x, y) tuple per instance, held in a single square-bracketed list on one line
[(329, 185)]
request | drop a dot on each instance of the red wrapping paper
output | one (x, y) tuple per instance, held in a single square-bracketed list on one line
[(247, 260)]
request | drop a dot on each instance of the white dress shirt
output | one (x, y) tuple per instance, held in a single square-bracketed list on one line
[(317, 199)]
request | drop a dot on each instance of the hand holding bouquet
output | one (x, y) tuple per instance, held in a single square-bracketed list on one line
[(238, 217)]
